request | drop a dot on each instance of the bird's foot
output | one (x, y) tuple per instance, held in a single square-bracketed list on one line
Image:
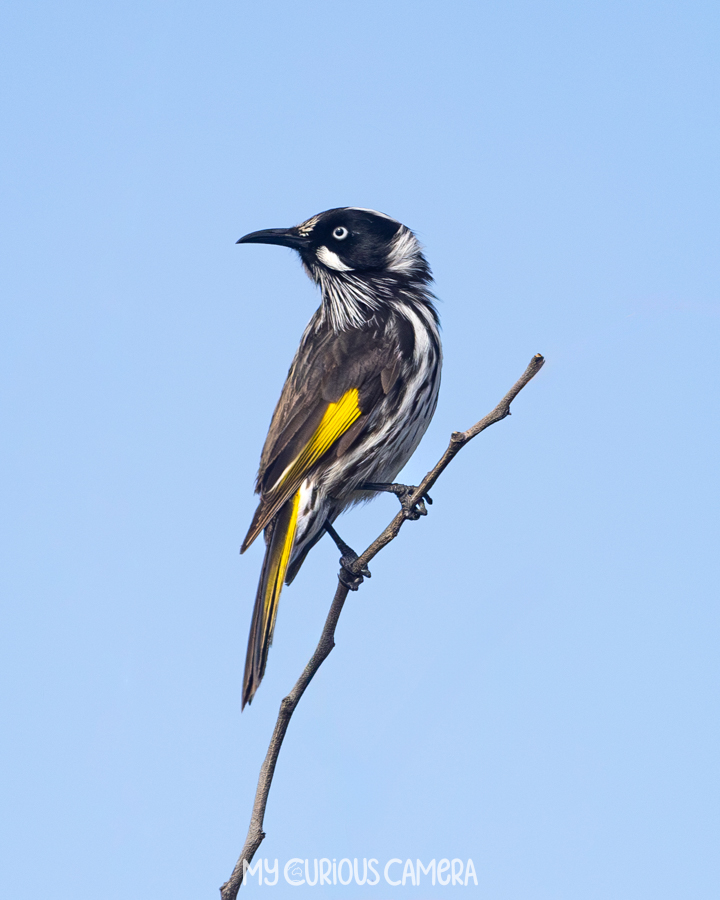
[(349, 575), (403, 492)]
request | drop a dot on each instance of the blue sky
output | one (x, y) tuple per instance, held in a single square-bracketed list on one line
[(531, 677)]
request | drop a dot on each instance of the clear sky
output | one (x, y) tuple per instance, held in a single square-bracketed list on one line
[(530, 680)]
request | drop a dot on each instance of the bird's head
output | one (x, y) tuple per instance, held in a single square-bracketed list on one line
[(349, 239)]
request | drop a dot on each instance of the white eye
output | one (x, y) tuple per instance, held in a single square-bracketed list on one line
[(340, 233)]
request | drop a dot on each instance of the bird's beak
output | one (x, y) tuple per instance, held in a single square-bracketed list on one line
[(285, 237)]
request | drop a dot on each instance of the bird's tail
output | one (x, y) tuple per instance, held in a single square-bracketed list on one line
[(277, 557)]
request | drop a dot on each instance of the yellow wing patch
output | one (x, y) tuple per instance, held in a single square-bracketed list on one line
[(338, 417), (336, 421)]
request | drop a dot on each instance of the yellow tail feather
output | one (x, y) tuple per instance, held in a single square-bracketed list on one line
[(277, 557)]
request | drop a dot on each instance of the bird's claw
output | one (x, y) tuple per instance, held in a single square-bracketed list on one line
[(413, 511), (403, 492), (348, 576)]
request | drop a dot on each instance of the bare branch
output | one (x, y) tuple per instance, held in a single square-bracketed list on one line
[(255, 833), (458, 440)]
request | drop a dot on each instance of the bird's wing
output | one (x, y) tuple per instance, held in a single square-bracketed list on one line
[(334, 382)]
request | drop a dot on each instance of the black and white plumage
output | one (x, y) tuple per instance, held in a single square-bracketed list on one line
[(359, 395)]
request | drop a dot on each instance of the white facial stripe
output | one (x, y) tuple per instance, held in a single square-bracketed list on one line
[(332, 260)]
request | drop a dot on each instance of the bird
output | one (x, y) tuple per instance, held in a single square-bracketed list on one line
[(358, 398)]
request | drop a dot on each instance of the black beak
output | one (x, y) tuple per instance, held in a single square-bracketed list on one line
[(285, 237)]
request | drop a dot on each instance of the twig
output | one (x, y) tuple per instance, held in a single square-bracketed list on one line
[(255, 833), (458, 440)]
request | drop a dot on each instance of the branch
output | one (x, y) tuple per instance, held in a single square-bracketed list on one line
[(255, 833), (458, 440)]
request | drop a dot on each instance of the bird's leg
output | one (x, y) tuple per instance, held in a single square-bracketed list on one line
[(347, 574), (403, 492)]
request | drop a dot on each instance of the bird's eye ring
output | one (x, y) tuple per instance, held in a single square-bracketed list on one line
[(340, 233)]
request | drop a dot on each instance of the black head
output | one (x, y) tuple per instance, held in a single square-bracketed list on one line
[(348, 239)]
